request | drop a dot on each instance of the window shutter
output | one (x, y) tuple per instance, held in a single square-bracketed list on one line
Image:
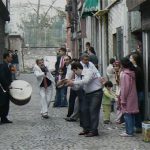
[(119, 43)]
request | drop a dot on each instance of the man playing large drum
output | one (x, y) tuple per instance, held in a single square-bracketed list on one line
[(46, 85), (5, 81)]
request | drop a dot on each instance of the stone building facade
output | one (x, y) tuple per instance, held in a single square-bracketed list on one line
[(4, 16), (117, 41), (142, 7), (115, 28), (2, 37)]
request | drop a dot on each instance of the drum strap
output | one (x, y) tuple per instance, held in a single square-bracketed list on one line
[(2, 88)]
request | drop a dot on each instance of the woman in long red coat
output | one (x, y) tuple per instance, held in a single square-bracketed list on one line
[(128, 95)]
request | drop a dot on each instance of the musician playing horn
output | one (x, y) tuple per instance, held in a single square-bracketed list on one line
[(46, 84)]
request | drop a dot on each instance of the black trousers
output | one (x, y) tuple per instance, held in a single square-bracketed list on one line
[(5, 108), (83, 109), (89, 110), (72, 98)]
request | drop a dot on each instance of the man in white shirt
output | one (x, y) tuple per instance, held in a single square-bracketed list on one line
[(72, 93), (90, 98), (67, 62), (60, 59), (87, 64), (110, 71), (73, 108)]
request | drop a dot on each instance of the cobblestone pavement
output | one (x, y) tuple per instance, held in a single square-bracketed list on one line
[(30, 132)]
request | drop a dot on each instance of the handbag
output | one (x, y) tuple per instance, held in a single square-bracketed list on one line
[(3, 96)]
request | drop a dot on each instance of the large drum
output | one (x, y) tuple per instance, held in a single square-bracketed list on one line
[(20, 92)]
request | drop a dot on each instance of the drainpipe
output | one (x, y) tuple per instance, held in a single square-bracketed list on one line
[(76, 29), (75, 26), (145, 64), (101, 47)]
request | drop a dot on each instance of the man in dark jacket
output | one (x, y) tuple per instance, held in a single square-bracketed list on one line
[(5, 80)]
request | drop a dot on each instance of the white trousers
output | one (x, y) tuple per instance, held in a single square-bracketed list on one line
[(46, 98)]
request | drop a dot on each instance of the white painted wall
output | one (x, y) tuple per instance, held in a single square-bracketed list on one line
[(117, 17)]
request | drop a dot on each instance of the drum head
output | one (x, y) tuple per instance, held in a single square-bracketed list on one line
[(20, 92)]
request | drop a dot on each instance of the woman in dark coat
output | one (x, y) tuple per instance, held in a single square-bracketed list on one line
[(92, 57)]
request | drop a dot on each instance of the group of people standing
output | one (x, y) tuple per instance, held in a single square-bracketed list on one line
[(82, 80), (128, 82), (88, 91)]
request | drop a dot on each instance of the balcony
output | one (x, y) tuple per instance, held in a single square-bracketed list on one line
[(134, 4)]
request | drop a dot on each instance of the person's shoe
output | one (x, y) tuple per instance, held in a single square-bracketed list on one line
[(124, 134), (91, 134), (106, 122), (83, 132), (54, 106), (45, 116), (66, 118), (70, 119), (138, 130), (64, 106), (6, 121)]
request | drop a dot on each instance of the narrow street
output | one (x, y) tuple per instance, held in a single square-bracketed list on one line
[(30, 132)]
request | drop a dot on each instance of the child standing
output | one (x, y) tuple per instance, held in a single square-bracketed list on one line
[(106, 102), (61, 90)]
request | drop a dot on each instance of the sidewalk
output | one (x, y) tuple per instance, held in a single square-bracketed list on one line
[(30, 132)]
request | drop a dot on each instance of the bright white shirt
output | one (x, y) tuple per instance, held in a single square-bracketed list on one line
[(61, 64), (89, 81), (91, 66), (69, 73), (111, 73)]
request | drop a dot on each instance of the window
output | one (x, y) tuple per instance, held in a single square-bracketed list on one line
[(119, 42), (115, 45)]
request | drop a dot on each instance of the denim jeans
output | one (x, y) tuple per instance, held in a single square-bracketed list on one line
[(129, 123), (61, 97)]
